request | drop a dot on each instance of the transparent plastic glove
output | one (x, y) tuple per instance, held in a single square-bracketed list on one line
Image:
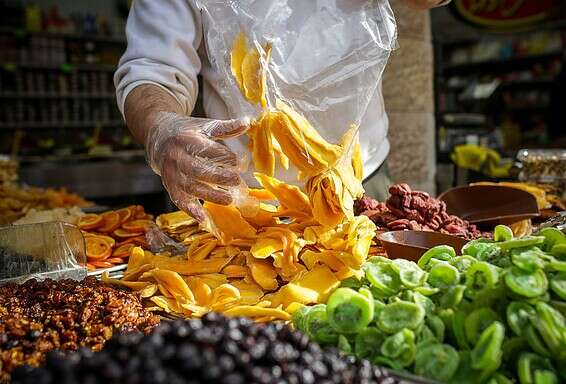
[(192, 164)]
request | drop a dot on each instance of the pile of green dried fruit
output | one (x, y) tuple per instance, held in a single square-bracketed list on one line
[(494, 314)]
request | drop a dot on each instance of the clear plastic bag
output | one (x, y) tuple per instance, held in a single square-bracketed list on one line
[(326, 58), (53, 250), (304, 73)]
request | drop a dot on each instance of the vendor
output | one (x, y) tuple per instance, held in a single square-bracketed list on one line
[(157, 87)]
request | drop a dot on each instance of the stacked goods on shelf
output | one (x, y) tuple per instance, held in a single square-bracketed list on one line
[(8, 170), (212, 350), (495, 313), (414, 210), (111, 236), (16, 201), (39, 316)]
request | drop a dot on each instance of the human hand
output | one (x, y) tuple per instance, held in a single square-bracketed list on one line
[(183, 150)]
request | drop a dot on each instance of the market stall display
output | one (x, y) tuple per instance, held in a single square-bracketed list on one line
[(39, 316), (212, 350), (16, 201), (414, 210), (111, 236), (66, 215), (494, 313)]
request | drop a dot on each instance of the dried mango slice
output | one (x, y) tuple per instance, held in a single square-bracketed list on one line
[(261, 194), (239, 51), (289, 196), (320, 279), (263, 99), (266, 246), (251, 76), (173, 282), (133, 285), (137, 273), (293, 293), (174, 220), (357, 162), (264, 274), (325, 192), (261, 147), (329, 152), (250, 293), (200, 289), (229, 222), (255, 311), (265, 217), (283, 159), (235, 271), (225, 292), (294, 144), (311, 259), (148, 291), (213, 280), (203, 251)]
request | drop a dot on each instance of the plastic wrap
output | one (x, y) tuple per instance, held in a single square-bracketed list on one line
[(326, 56), (47, 250), (303, 73)]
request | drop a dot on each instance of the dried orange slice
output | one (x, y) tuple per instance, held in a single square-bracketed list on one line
[(139, 211), (108, 239), (90, 221), (139, 240), (123, 250), (97, 248), (137, 225), (90, 267), (101, 264), (125, 214), (111, 222), (116, 260), (124, 234)]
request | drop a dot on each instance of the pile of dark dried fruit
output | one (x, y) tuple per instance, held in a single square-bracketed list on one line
[(14, 264), (215, 349), (40, 316), (414, 210)]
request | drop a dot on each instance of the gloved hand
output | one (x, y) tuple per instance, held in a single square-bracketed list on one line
[(192, 165)]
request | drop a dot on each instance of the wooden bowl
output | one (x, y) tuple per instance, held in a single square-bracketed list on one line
[(411, 245), (490, 205)]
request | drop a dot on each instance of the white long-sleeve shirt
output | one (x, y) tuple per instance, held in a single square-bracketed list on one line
[(166, 47)]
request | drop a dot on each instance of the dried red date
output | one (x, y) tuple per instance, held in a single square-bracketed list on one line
[(416, 210)]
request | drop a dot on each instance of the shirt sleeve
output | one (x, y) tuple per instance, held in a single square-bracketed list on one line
[(163, 39)]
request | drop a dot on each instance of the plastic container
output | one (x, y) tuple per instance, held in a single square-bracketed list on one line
[(542, 165), (52, 250), (411, 245)]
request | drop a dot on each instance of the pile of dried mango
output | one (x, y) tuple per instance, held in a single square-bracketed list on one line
[(264, 269), (295, 248)]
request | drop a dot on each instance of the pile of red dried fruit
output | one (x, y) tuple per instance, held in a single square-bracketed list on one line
[(414, 210), (39, 316)]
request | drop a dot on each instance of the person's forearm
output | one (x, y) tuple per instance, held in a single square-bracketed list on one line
[(142, 106)]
